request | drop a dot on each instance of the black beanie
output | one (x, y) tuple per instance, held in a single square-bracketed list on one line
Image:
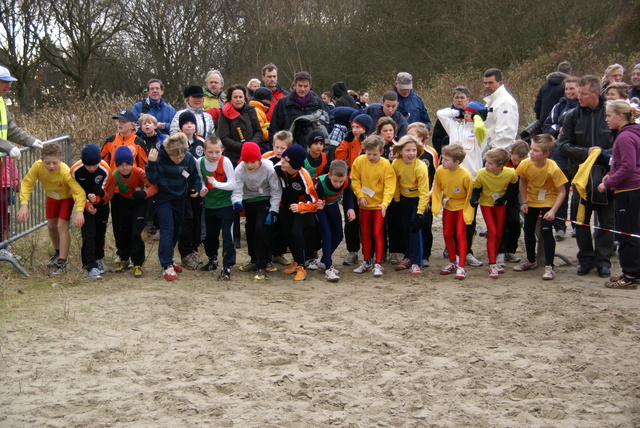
[(185, 117)]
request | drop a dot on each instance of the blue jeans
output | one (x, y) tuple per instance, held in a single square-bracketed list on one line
[(330, 224), (170, 215)]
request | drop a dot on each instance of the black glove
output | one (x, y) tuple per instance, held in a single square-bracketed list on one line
[(500, 201), (474, 197), (191, 192), (98, 192), (139, 194), (349, 137), (416, 223)]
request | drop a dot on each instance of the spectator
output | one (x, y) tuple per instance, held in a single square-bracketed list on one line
[(213, 93), (341, 95), (634, 91), (363, 99), (616, 91), (156, 106), (503, 117), (270, 81), (238, 123), (613, 74), (461, 97), (194, 100), (551, 92), (409, 103)]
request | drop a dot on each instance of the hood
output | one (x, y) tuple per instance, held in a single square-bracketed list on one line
[(339, 89), (342, 114), (556, 78), (632, 128)]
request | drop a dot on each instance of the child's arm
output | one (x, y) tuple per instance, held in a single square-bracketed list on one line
[(79, 196), (356, 184), (479, 130), (26, 187), (468, 211), (524, 207), (312, 203), (230, 184), (275, 190), (551, 214), (390, 184), (436, 193), (151, 189), (151, 169)]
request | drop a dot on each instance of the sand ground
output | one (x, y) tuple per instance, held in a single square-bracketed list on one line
[(400, 351)]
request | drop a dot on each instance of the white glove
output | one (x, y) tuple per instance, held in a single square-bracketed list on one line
[(37, 144), (15, 153)]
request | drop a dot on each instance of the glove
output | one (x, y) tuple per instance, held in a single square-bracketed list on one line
[(416, 223), (475, 195), (98, 192), (500, 201), (349, 137), (139, 194), (271, 219), (37, 144), (15, 153), (237, 207), (192, 192), (460, 112)]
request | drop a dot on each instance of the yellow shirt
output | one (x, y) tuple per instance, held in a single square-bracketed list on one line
[(452, 189), (412, 181), (376, 182), (58, 184), (542, 183), (493, 185)]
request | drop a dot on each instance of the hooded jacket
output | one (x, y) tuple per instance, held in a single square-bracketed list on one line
[(341, 95), (161, 110), (549, 95), (413, 108), (172, 179), (625, 160)]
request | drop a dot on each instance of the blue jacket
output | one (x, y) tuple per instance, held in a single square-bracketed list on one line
[(160, 110), (375, 111), (170, 176), (413, 108)]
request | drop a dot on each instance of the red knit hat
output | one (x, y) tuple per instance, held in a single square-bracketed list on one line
[(250, 152)]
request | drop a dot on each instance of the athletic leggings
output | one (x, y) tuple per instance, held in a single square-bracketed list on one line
[(494, 217), (453, 222), (372, 226)]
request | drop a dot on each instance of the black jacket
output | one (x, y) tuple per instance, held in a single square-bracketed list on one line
[(584, 128), (549, 95), (248, 124), (287, 110)]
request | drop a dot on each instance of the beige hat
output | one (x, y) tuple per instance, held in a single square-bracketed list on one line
[(404, 80)]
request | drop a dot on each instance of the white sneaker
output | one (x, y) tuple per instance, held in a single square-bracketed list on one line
[(364, 267), (415, 270), (472, 261), (393, 259), (494, 272), (321, 266), (426, 263), (378, 270), (548, 273), (331, 275), (461, 273), (500, 260), (450, 268), (511, 258), (311, 264)]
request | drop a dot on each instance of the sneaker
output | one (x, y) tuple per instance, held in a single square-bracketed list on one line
[(548, 272), (271, 268), (364, 267), (292, 267), (94, 273), (500, 260), (622, 282), (122, 266), (511, 258), (461, 273), (378, 270), (321, 266), (248, 267), (560, 235), (137, 271), (311, 264), (260, 275), (225, 274), (189, 262), (448, 269), (116, 259), (101, 267), (53, 260), (351, 259), (58, 269), (494, 272), (170, 274), (393, 259), (415, 270), (280, 260), (426, 263), (500, 269), (211, 265), (472, 261), (404, 264), (331, 275), (525, 265), (176, 268), (196, 258), (300, 274)]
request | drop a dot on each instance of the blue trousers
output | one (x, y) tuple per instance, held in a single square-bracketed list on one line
[(170, 215)]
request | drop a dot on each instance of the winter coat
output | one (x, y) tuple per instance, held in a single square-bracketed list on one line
[(161, 110), (413, 108), (625, 160), (204, 127), (341, 95), (287, 110), (549, 95), (502, 119), (246, 120)]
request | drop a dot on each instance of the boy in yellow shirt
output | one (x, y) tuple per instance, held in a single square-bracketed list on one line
[(64, 194), (542, 191), (374, 183), (452, 188)]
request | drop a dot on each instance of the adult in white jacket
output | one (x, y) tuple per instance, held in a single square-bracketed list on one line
[(503, 117)]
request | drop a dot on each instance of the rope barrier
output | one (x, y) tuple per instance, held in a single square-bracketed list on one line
[(599, 228)]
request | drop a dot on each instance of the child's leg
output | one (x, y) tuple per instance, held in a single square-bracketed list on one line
[(352, 229), (427, 235), (461, 235), (546, 232), (327, 238), (185, 244), (64, 239), (378, 233), (138, 210), (530, 222), (226, 216), (213, 223), (297, 241), (101, 219), (250, 229), (115, 218), (52, 227), (448, 227), (124, 242), (471, 232), (366, 223), (196, 229), (511, 229), (169, 221), (494, 220), (413, 241), (89, 241), (263, 235), (394, 229)]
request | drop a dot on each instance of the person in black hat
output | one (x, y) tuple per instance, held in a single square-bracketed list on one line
[(194, 102)]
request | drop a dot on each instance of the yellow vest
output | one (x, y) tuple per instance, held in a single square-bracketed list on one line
[(4, 122)]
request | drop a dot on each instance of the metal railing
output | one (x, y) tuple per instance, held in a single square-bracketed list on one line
[(11, 173)]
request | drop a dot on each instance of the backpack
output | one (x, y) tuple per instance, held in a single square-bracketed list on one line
[(304, 125)]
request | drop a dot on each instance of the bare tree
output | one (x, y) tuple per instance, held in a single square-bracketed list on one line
[(19, 48)]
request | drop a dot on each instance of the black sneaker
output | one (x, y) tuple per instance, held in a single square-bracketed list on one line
[(53, 260), (210, 266)]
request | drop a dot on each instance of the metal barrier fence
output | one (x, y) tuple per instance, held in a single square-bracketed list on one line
[(11, 172)]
